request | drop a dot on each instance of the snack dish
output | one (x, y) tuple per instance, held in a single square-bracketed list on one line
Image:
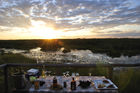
[(84, 84), (101, 85), (105, 81), (104, 85), (59, 87), (110, 86)]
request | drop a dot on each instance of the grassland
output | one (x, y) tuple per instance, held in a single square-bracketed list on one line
[(112, 47)]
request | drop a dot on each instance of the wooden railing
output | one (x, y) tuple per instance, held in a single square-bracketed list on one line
[(109, 66)]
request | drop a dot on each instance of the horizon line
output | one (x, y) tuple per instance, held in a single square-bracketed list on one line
[(72, 38)]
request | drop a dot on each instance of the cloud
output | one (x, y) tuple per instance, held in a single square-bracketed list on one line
[(131, 34), (71, 15)]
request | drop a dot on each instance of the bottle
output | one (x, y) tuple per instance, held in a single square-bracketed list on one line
[(54, 82), (43, 74), (73, 84), (36, 84), (65, 84)]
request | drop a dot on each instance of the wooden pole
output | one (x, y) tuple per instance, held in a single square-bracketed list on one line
[(110, 73), (6, 79)]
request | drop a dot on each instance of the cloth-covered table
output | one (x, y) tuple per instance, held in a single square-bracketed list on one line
[(60, 79)]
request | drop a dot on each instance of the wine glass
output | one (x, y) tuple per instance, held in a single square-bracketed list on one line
[(64, 74), (67, 73), (90, 78), (73, 74), (77, 74), (49, 73), (89, 74)]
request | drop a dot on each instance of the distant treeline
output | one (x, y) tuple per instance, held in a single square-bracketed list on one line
[(112, 47)]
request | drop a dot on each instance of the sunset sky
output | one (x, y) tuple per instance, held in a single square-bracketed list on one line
[(48, 19)]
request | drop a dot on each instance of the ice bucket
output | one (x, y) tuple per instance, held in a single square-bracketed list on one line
[(19, 80)]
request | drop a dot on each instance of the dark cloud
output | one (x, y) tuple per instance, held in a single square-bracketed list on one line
[(130, 34)]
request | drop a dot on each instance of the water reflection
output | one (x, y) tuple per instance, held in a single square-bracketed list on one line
[(74, 56)]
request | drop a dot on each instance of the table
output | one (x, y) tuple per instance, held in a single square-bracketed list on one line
[(60, 79)]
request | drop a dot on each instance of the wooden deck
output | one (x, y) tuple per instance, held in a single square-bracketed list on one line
[(109, 66)]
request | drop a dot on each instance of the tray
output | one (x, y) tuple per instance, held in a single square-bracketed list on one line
[(97, 82)]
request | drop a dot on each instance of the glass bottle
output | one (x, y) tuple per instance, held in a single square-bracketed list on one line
[(65, 84), (73, 84), (54, 82), (43, 72), (36, 84)]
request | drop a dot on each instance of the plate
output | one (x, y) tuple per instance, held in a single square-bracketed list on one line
[(105, 85)]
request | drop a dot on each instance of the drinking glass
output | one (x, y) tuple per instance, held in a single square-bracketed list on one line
[(73, 74), (67, 73), (49, 73), (77, 74), (89, 74), (36, 84), (64, 74)]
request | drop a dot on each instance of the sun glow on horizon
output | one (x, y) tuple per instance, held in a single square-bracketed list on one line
[(40, 29)]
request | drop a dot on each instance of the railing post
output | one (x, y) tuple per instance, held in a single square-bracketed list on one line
[(6, 79), (110, 72)]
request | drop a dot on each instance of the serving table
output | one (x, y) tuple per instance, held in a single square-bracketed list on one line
[(60, 79)]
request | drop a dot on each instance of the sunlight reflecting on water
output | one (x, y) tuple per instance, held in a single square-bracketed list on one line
[(74, 56)]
